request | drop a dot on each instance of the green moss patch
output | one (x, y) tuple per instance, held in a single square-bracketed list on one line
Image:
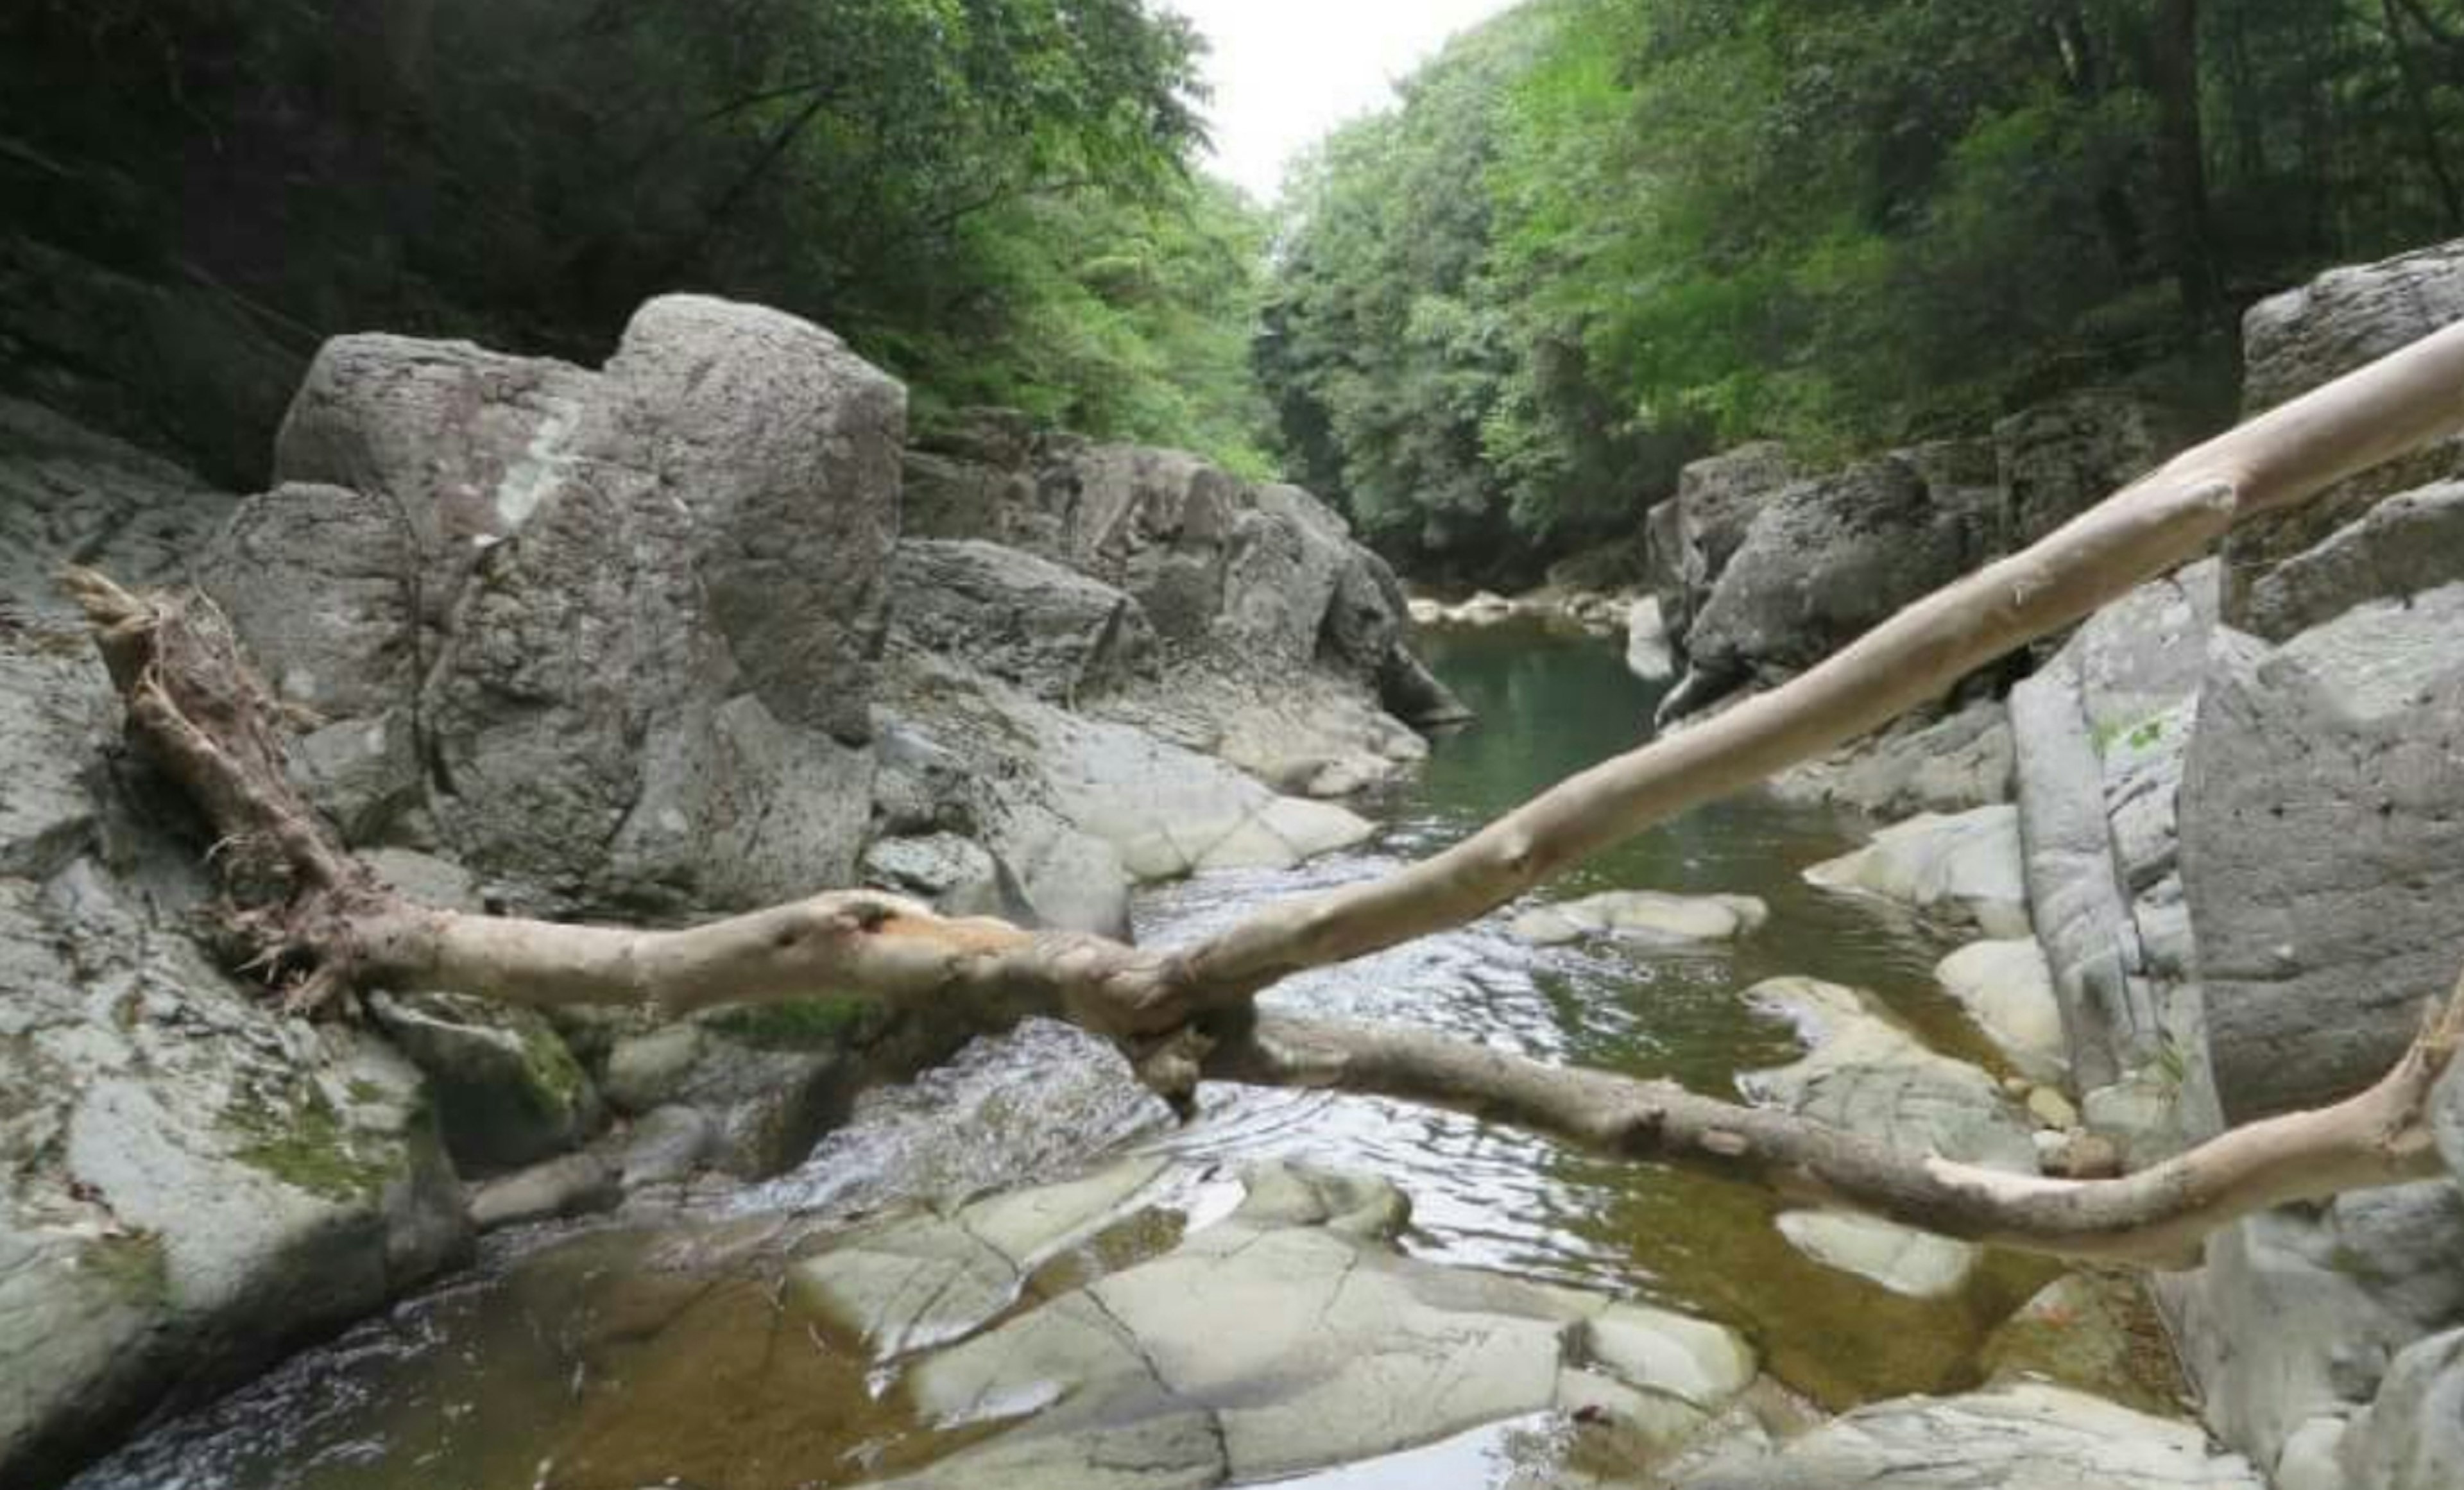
[(827, 1023)]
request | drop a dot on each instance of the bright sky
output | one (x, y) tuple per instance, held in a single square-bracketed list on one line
[(1285, 72)]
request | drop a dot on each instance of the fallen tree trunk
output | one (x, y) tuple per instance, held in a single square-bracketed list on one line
[(322, 924)]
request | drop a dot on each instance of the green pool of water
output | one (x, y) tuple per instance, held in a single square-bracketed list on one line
[(612, 1357)]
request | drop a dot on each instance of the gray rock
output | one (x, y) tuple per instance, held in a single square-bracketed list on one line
[(631, 614), (2300, 1314), (959, 876), (2413, 1436), (1965, 869), (2020, 1438), (2298, 340), (188, 1182), (2059, 459), (2403, 545), (69, 495), (665, 1145), (2319, 849), (1344, 1350), (2008, 989), (1649, 654), (1694, 535), (1647, 916), (1051, 631), (1827, 560), (574, 1184), (1867, 1075), (1962, 761), (507, 1091)]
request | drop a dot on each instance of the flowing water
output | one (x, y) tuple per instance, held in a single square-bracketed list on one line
[(618, 1355)]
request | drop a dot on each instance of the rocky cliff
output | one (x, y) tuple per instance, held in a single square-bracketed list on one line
[(686, 633)]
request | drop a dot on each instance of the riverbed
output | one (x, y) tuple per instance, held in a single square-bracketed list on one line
[(625, 1352)]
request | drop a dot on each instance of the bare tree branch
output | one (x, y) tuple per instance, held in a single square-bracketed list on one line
[(322, 918)]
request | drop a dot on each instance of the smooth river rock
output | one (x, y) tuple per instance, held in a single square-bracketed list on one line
[(1965, 869), (2008, 989), (1647, 916), (1285, 1338), (2019, 1437)]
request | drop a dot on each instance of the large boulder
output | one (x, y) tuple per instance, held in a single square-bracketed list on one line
[(2298, 340), (605, 638), (2320, 849), (1691, 537), (1826, 561), (189, 1183), (2060, 458), (1958, 762), (2413, 1436), (2408, 543)]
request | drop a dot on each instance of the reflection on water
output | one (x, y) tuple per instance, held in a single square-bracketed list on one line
[(614, 1357)]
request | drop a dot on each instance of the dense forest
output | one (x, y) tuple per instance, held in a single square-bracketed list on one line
[(994, 198), (1595, 238), (1599, 234)]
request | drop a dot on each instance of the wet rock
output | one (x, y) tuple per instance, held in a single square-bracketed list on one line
[(1960, 761), (1963, 869), (2021, 1438), (2401, 547), (2319, 848), (574, 1184), (1644, 916), (1649, 654), (2298, 340), (507, 1091), (2006, 988), (1343, 1350), (923, 1280), (665, 1145), (2052, 1109), (1905, 1261), (2093, 1332), (1867, 1075)]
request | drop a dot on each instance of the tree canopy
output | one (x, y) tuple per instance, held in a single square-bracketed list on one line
[(1597, 233), (995, 198)]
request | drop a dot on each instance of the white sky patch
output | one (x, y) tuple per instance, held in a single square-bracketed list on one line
[(1285, 72)]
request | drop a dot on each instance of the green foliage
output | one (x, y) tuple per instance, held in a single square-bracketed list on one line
[(1597, 233), (993, 197)]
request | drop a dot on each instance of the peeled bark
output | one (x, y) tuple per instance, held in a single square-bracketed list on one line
[(324, 924)]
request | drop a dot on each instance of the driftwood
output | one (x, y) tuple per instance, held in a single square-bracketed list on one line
[(322, 924)]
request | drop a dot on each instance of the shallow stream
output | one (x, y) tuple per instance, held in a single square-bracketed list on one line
[(613, 1355)]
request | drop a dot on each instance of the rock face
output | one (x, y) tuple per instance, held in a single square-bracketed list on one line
[(2321, 848), (1694, 535), (1951, 764), (193, 1183), (1258, 590), (1048, 630), (606, 639), (2101, 729), (2404, 545), (2061, 458), (1344, 1349), (67, 493), (1828, 558), (2022, 1438), (2295, 342)]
